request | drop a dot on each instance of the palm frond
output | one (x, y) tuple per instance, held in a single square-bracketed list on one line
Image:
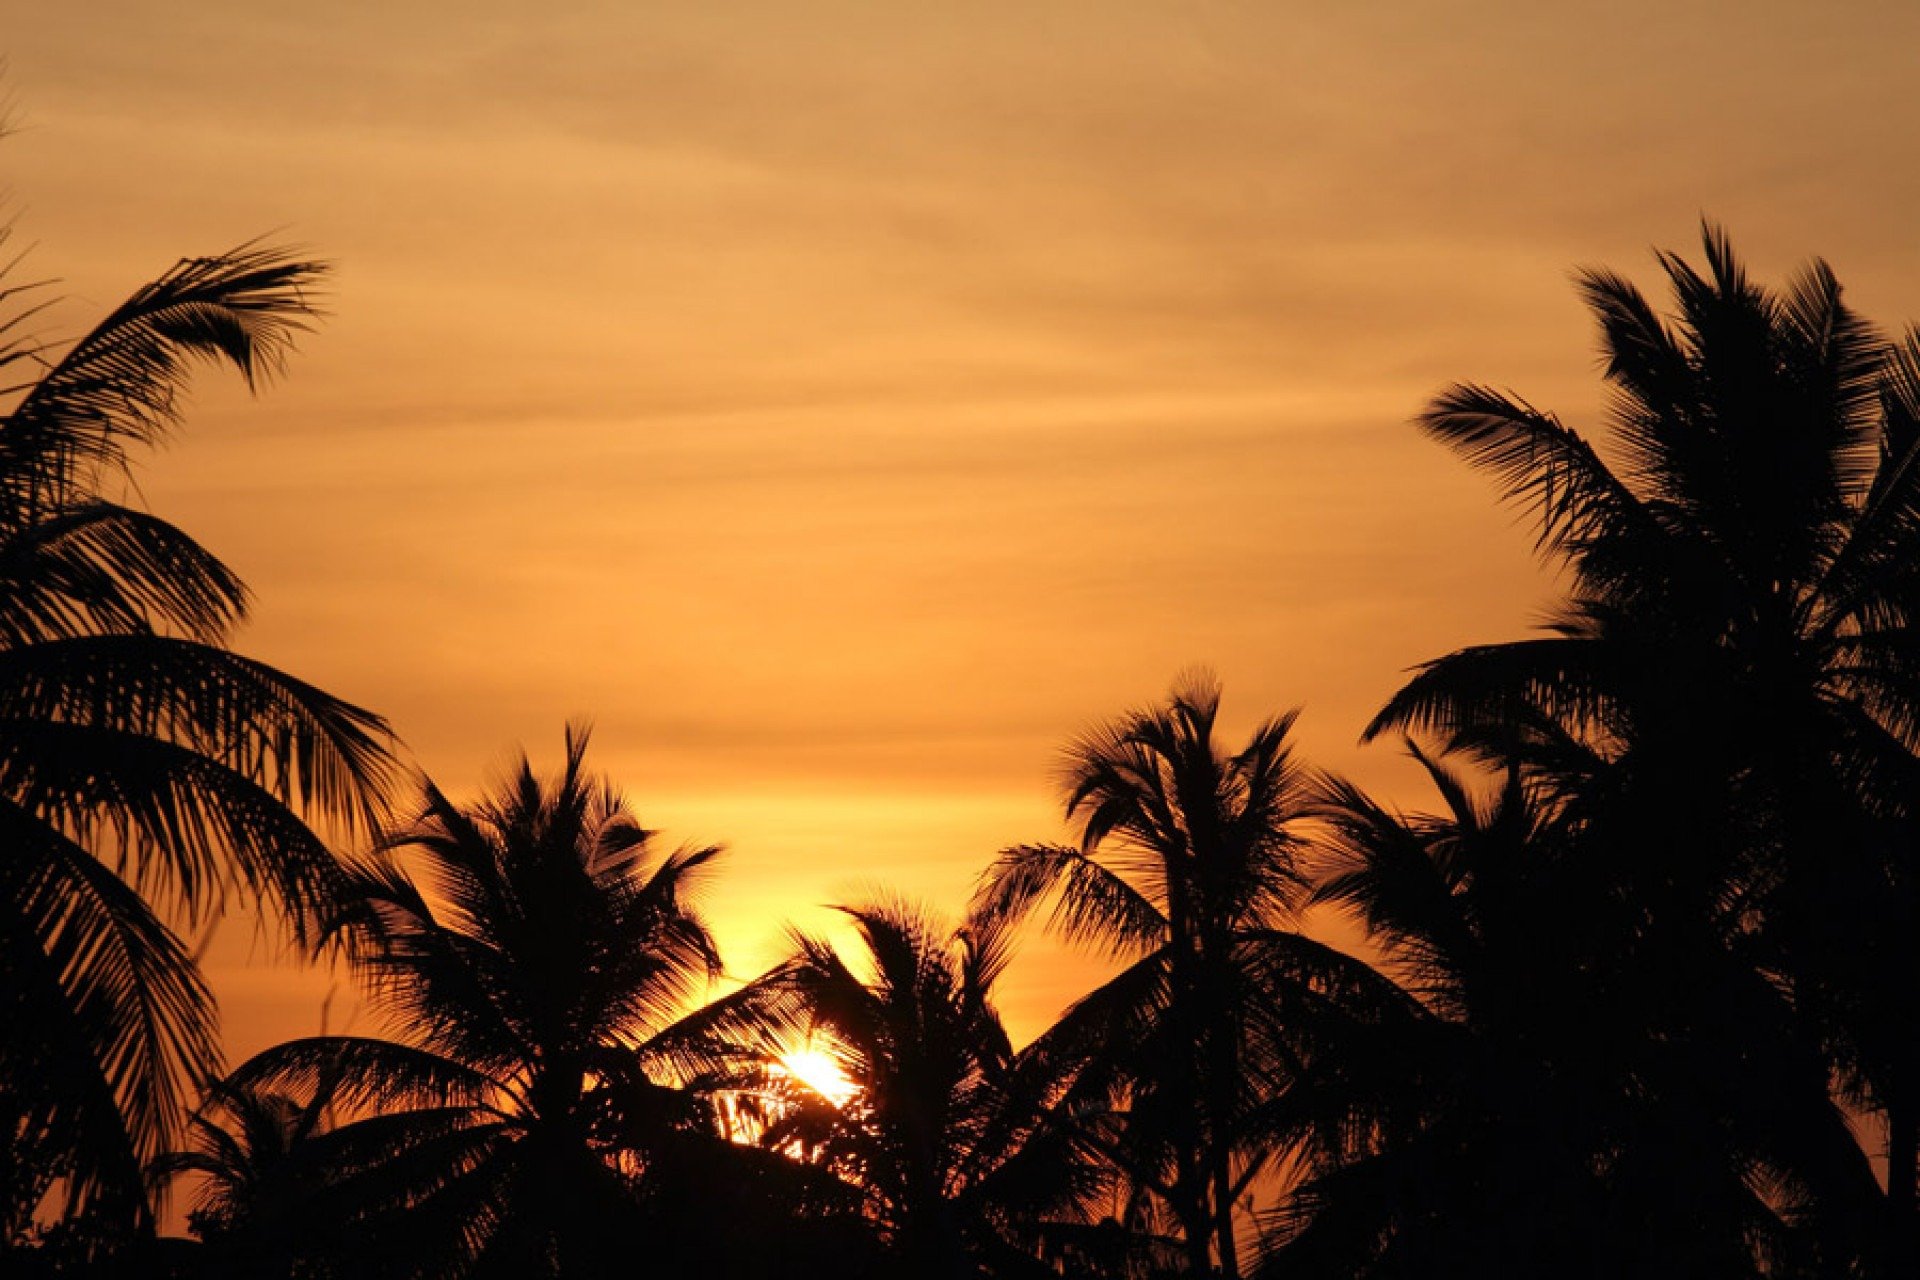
[(1542, 465), (1091, 905), (179, 825), (306, 747), (113, 999), (1867, 581), (1500, 683), (1383, 870), (95, 568), (361, 1072), (120, 384)]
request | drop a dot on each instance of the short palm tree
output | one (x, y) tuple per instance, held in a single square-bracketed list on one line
[(944, 1134), (1736, 662), (263, 1166), (148, 775), (1186, 868), (532, 953)]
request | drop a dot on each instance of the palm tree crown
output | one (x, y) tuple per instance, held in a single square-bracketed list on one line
[(944, 1134), (1186, 867), (1728, 704), (533, 952)]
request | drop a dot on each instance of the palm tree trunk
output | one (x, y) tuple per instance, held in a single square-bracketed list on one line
[(1903, 1173), (1223, 1209), (1187, 1070), (1190, 1182), (1221, 1086), (1197, 1230)]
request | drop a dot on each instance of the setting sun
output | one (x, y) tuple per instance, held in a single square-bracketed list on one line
[(820, 1073)]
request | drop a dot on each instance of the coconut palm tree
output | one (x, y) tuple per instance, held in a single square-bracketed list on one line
[(148, 775), (531, 953), (1186, 868), (944, 1132), (1498, 1122), (1736, 661), (263, 1167)]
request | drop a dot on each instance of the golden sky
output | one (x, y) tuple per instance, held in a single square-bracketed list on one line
[(842, 404)]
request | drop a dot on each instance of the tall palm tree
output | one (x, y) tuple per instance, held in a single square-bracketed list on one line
[(532, 953), (945, 1132), (1736, 659), (1185, 867), (148, 775)]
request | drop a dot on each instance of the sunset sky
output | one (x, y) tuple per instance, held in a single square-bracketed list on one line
[(842, 404)]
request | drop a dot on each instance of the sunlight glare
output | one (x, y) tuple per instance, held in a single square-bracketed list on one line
[(820, 1073)]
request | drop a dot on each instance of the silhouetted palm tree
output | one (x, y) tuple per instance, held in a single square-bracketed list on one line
[(147, 774), (532, 953), (1736, 663), (947, 1139), (1502, 1119), (264, 1171), (1186, 868)]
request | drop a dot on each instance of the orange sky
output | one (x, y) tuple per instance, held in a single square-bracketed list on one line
[(841, 404)]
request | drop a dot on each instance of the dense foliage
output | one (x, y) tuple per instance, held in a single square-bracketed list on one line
[(149, 776), (1635, 1000)]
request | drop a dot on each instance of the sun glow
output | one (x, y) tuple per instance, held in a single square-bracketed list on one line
[(820, 1073)]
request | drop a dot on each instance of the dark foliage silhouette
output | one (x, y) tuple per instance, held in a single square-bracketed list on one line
[(268, 1181), (1727, 703), (533, 953), (149, 776), (1186, 868), (958, 1158), (1498, 1120)]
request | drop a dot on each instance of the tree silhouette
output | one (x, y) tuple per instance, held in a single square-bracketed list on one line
[(945, 1134), (266, 1171), (1185, 867), (1504, 1119), (148, 775), (531, 952), (1728, 699)]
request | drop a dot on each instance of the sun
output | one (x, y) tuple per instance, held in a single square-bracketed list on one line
[(820, 1073)]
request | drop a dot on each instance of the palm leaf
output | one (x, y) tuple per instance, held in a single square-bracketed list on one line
[(306, 747), (95, 568), (113, 998), (364, 1072), (1542, 464), (1091, 905), (120, 384)]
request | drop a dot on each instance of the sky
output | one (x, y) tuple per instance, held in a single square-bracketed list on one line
[(843, 405)]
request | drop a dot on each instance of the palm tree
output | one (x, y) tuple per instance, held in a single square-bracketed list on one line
[(1736, 661), (148, 775), (532, 953), (1495, 1122), (262, 1161), (945, 1132), (1186, 868)]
